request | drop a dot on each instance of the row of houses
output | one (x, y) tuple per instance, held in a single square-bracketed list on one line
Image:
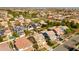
[(20, 44), (37, 41)]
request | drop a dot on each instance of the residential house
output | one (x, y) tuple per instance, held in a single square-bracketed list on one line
[(28, 21), (7, 31), (1, 19), (63, 27), (33, 26), (59, 30), (40, 41), (58, 16), (42, 14), (21, 19), (2, 29), (4, 46), (12, 23), (50, 34), (23, 44), (10, 16), (3, 14), (75, 20), (4, 23), (19, 30), (50, 17), (43, 22)]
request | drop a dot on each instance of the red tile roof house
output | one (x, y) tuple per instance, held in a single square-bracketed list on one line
[(23, 44), (4, 46), (59, 29)]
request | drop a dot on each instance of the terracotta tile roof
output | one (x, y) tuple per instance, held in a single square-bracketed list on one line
[(5, 47), (22, 43)]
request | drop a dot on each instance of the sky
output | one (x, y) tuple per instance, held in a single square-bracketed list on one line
[(39, 3)]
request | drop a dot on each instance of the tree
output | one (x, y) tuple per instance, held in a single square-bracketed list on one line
[(72, 24), (28, 15), (50, 43), (27, 32), (15, 34), (12, 19), (65, 23), (57, 23), (35, 46), (77, 25), (50, 24), (36, 20), (11, 45), (1, 39), (68, 31), (15, 14), (34, 15)]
